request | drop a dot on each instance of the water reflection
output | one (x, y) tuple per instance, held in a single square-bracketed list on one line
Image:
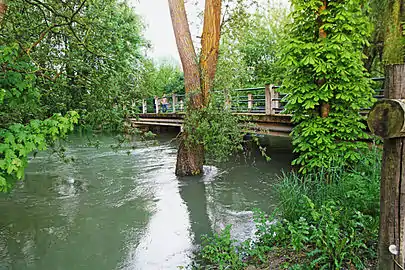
[(165, 242), (192, 192)]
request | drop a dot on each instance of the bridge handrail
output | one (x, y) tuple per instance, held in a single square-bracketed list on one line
[(270, 103)]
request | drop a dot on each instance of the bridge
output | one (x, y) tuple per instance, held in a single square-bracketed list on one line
[(261, 107)]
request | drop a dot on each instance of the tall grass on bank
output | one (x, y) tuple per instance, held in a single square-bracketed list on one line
[(327, 220), (351, 188)]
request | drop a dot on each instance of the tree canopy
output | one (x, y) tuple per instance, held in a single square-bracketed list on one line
[(70, 58)]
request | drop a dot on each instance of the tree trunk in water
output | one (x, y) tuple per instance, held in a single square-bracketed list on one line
[(190, 156), (210, 45), (3, 9), (392, 204)]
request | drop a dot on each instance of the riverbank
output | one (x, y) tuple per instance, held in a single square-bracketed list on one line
[(323, 221)]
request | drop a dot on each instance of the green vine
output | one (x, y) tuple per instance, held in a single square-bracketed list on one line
[(327, 70)]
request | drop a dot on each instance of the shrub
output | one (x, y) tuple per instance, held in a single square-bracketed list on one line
[(219, 252), (320, 224)]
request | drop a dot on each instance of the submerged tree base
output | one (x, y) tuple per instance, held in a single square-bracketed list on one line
[(190, 158)]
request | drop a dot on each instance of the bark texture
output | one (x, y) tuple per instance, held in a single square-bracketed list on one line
[(392, 203), (210, 46), (387, 118), (185, 45), (190, 156), (393, 44)]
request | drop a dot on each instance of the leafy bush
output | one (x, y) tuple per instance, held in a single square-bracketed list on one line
[(328, 236), (219, 251), (325, 221), (327, 84), (216, 128)]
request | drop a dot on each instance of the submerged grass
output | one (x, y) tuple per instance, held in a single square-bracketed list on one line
[(327, 220)]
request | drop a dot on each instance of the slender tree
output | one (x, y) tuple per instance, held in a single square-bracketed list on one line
[(210, 45), (198, 76)]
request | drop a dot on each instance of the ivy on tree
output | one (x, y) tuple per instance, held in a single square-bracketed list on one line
[(326, 83)]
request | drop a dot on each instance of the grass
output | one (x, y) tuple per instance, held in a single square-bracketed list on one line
[(327, 220)]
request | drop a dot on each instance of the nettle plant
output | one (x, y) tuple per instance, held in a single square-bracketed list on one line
[(327, 85)]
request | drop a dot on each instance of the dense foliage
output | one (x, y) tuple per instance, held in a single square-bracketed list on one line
[(87, 56), (327, 85), (162, 78), (20, 134), (317, 225), (216, 128), (71, 58), (249, 45)]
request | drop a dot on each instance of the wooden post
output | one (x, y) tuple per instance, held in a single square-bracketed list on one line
[(250, 101), (268, 104), (156, 105), (174, 101), (144, 106), (275, 104), (386, 121)]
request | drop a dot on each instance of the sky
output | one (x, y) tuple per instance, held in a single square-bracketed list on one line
[(159, 31)]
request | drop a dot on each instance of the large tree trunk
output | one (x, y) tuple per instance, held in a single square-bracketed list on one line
[(210, 45), (185, 46), (190, 156)]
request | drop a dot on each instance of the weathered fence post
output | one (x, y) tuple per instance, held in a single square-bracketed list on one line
[(268, 97), (250, 101), (144, 106), (387, 119), (156, 105), (275, 104), (174, 101)]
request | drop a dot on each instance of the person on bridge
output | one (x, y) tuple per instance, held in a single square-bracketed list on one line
[(165, 103)]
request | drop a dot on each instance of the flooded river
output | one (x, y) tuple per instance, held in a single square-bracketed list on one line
[(126, 209)]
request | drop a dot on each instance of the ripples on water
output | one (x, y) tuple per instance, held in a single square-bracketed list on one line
[(111, 210)]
